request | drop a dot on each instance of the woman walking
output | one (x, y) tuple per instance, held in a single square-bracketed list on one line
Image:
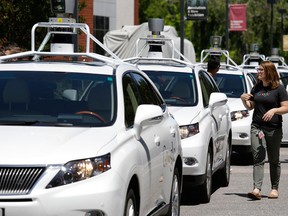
[(269, 100)]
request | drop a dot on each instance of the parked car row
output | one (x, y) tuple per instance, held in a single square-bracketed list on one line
[(103, 136)]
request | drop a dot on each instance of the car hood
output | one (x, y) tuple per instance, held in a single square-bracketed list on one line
[(184, 115), (235, 104), (51, 145)]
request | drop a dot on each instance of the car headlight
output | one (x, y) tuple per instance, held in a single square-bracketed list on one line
[(240, 114), (79, 170), (189, 130)]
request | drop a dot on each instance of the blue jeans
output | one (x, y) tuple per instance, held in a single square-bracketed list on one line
[(271, 144)]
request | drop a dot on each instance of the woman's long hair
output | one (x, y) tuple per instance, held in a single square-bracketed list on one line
[(270, 73)]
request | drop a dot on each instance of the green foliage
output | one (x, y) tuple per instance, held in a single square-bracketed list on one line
[(18, 17), (199, 31)]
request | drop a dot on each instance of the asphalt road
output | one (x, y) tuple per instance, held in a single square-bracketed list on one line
[(233, 200)]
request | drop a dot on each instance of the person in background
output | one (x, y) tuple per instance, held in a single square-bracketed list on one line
[(11, 48), (270, 101), (213, 65)]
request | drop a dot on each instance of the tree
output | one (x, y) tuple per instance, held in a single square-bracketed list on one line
[(18, 17)]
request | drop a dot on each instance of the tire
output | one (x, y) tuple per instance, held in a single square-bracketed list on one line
[(223, 177), (131, 208), (206, 187), (174, 205)]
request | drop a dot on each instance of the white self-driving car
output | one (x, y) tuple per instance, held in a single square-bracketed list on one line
[(91, 136), (233, 82), (200, 110)]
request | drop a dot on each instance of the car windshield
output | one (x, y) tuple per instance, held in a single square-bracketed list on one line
[(231, 84), (56, 99), (177, 89)]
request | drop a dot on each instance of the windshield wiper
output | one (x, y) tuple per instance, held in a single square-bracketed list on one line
[(35, 122), (18, 122), (62, 124)]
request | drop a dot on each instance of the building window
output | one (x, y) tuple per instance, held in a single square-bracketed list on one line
[(101, 27)]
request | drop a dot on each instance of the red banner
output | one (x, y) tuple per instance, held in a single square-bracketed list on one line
[(237, 17)]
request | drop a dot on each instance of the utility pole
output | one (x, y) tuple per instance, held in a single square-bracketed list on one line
[(75, 16), (272, 2), (227, 25), (271, 28), (182, 26), (282, 11)]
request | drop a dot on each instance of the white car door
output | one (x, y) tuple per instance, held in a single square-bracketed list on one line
[(157, 141), (220, 116)]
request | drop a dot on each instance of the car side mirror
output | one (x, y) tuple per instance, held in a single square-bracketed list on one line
[(146, 114), (217, 99)]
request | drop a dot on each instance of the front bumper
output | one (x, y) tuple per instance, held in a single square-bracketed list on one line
[(241, 132), (194, 155), (102, 193)]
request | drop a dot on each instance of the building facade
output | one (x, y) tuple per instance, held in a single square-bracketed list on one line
[(106, 15)]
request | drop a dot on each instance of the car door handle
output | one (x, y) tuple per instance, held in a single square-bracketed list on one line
[(173, 132), (220, 117), (157, 140)]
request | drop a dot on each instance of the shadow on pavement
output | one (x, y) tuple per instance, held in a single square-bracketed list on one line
[(244, 159), (192, 195)]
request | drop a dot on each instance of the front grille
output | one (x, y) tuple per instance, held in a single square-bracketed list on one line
[(18, 180)]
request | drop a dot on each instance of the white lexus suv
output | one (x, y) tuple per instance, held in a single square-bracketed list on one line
[(199, 108), (91, 136)]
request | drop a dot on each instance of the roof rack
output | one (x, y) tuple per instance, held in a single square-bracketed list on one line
[(62, 26), (160, 61), (215, 50), (219, 52), (253, 58), (276, 59), (155, 42)]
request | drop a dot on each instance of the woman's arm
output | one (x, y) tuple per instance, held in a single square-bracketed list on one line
[(246, 100), (283, 109)]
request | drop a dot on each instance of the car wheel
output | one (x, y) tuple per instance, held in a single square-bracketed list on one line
[(174, 207), (206, 187), (223, 177), (130, 204)]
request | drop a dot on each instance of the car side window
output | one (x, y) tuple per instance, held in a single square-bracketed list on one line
[(148, 94), (252, 79), (207, 86), (137, 90), (131, 100)]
